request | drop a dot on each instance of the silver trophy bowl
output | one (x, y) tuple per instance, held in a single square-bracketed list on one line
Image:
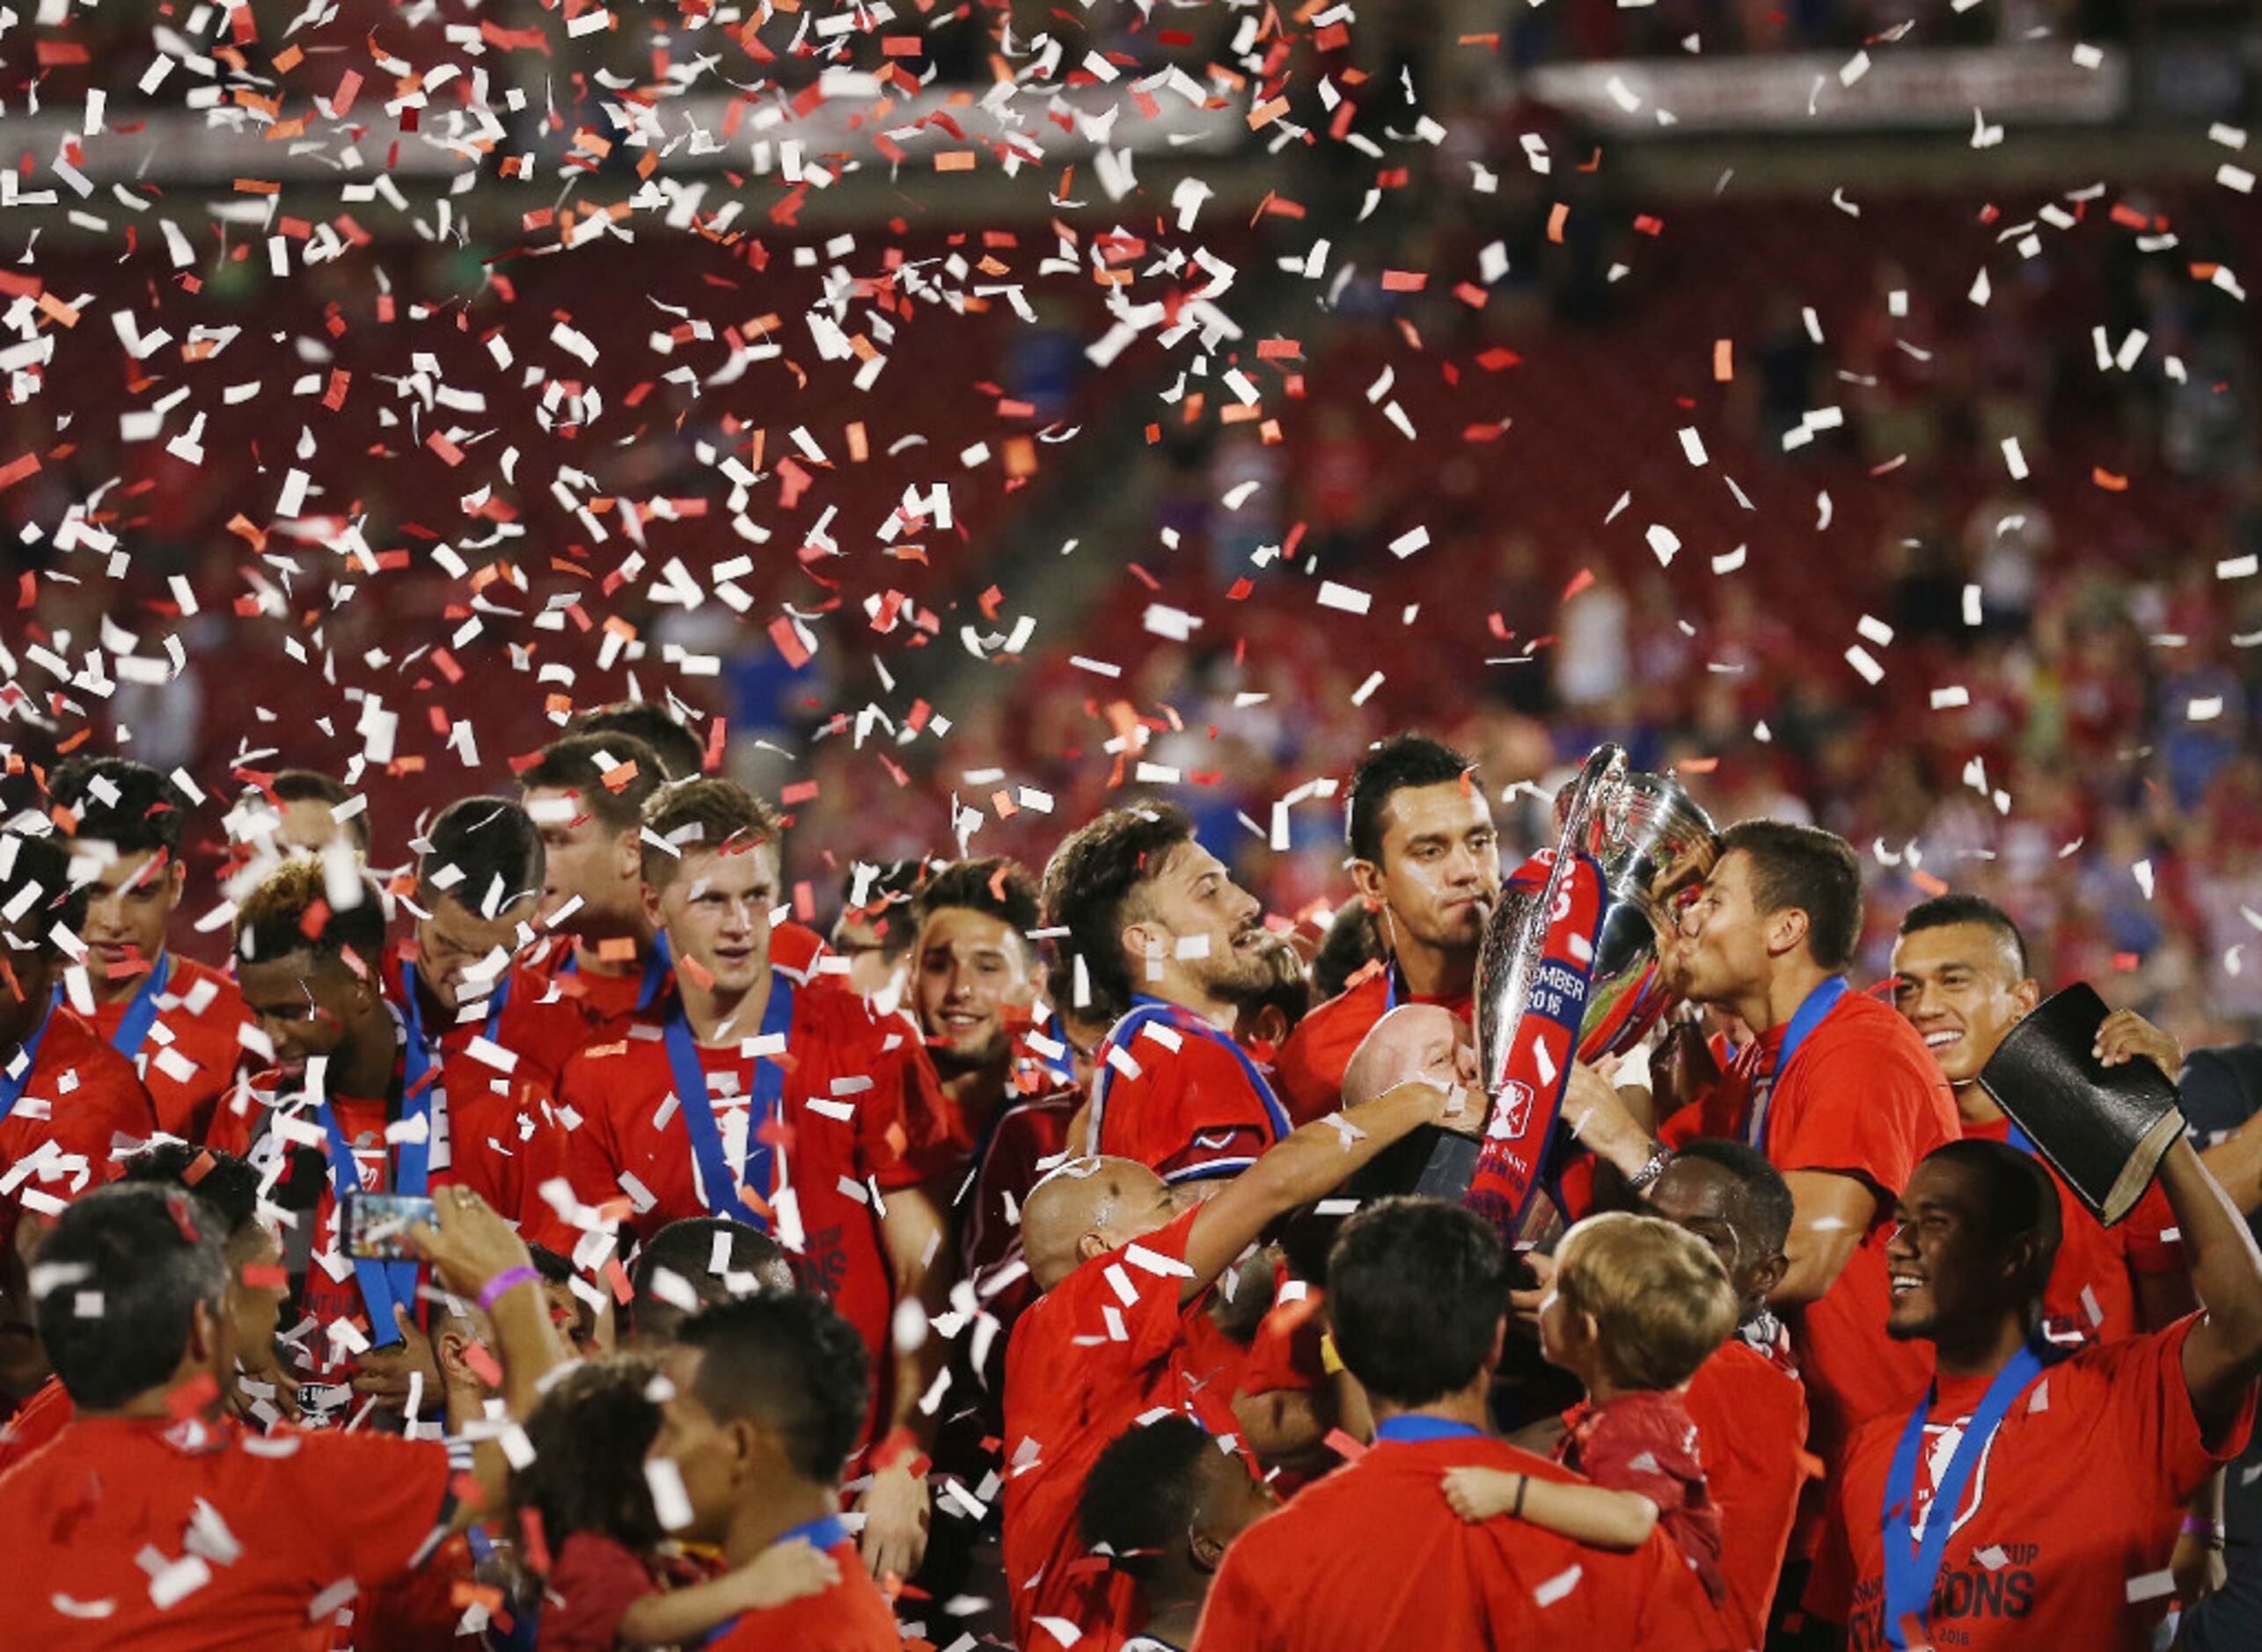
[(1652, 843)]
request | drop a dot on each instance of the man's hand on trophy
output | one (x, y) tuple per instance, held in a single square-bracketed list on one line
[(1600, 1120)]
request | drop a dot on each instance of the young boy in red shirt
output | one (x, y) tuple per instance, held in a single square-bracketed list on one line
[(1638, 1306), (1372, 1556), (1125, 1261), (1161, 936), (176, 1019), (152, 1521), (766, 1397)]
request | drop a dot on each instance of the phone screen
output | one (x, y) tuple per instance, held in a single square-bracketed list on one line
[(376, 1224)]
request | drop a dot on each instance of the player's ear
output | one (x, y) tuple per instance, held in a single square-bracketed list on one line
[(1768, 1274), (2026, 995), (651, 894), (1786, 929), (1205, 1550), (628, 854), (1366, 878)]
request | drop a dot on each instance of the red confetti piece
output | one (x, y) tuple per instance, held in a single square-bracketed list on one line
[(16, 469)]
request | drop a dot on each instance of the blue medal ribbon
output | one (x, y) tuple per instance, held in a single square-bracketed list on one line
[(1146, 1009), (141, 1014), (383, 1284), (765, 1101), (1812, 1009), (1911, 1568), (11, 1087), (1413, 1431)]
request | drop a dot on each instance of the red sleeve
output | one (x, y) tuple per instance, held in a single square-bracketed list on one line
[(504, 1150), (592, 1160), (929, 1140), (1188, 1113), (590, 1588), (1284, 1355), (366, 1503), (1830, 1584), (1861, 1110), (2148, 1408)]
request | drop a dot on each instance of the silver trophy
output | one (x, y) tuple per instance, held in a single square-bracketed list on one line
[(1652, 843)]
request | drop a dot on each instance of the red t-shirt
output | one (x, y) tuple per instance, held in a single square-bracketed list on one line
[(41, 1418), (612, 1000), (1862, 1098), (2075, 1501), (78, 1099), (592, 1585), (852, 1078), (1310, 1074), (851, 1616), (2092, 1290), (1181, 1098), (541, 1028), (1372, 1557), (1101, 1348), (1750, 1413), (310, 1516), (192, 1053), (1645, 1443)]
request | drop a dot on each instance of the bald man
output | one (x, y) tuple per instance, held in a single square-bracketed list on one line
[(1125, 1260)]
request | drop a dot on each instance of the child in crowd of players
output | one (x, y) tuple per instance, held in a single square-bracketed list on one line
[(1638, 1304), (612, 1580)]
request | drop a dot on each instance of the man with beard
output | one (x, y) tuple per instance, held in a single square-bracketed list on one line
[(1961, 977), (2025, 1499), (1426, 860), (1163, 938)]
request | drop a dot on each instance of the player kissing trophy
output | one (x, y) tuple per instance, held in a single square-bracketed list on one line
[(1569, 970)]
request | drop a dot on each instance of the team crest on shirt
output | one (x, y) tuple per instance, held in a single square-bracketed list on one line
[(1940, 1443), (1515, 1110)]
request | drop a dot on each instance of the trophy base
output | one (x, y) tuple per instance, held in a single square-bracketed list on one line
[(1429, 1161)]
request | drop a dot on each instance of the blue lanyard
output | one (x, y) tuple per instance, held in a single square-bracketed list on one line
[(1144, 1010), (1409, 1429), (698, 1109), (1911, 1570), (421, 1049), (2019, 1138), (11, 1086), (657, 963), (1812, 1009), (525, 1621), (821, 1534), (1063, 1065), (141, 1014), (385, 1284)]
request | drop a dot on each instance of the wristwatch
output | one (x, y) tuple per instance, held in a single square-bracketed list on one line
[(1660, 1156)]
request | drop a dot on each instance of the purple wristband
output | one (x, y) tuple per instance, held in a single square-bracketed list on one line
[(508, 1279)]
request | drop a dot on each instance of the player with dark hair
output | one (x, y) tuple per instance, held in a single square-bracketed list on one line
[(691, 1264), (767, 1397), (176, 1019), (308, 969), (682, 756), (308, 804), (1834, 1088), (133, 1313), (1163, 1503), (1161, 937), (2044, 1487), (1425, 858), (1353, 940), (1960, 975), (771, 1103), (1747, 1400), (1373, 1555), (877, 927), (67, 1098)]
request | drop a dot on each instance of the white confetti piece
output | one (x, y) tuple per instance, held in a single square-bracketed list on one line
[(1557, 1588)]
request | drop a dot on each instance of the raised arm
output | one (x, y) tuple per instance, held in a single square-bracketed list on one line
[(1309, 1163), (1829, 1216), (2223, 1353)]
